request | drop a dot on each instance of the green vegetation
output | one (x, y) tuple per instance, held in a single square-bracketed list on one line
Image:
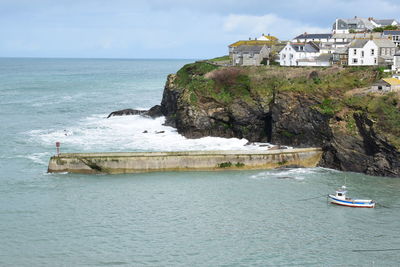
[(386, 28), (225, 164), (239, 165), (329, 106), (384, 110), (223, 58), (283, 162)]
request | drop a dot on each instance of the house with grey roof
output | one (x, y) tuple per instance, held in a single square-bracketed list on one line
[(299, 54), (250, 55), (393, 35), (344, 39), (384, 22), (367, 52), (355, 24), (314, 37)]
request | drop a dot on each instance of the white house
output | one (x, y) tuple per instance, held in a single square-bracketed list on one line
[(393, 35), (396, 62), (293, 52), (323, 60), (366, 52)]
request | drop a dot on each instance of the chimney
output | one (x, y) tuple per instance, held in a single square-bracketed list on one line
[(355, 17)]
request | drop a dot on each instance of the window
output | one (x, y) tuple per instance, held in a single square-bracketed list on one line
[(375, 61), (362, 53), (380, 87), (355, 52), (372, 52), (355, 61), (339, 194)]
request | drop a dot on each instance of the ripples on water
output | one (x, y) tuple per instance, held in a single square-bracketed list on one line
[(242, 218)]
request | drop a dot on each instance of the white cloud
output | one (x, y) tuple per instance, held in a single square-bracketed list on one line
[(253, 26)]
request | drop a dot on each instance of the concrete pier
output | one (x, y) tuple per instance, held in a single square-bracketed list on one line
[(135, 162)]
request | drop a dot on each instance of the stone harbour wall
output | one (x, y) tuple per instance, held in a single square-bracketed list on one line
[(136, 162)]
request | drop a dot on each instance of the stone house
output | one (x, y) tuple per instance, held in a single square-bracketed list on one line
[(340, 56), (386, 85), (250, 55), (251, 52)]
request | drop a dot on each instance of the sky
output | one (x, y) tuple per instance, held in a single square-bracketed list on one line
[(192, 29)]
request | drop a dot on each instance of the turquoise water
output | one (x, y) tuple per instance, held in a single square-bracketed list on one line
[(246, 218)]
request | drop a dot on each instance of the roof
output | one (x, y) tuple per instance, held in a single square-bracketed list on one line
[(384, 22), (252, 42), (392, 81), (341, 50), (362, 23), (309, 47), (269, 37), (314, 36), (391, 32), (249, 49), (384, 43), (357, 35), (358, 43)]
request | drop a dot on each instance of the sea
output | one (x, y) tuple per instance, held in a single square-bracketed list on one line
[(227, 218)]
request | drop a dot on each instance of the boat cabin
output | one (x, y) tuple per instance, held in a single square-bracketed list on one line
[(341, 193)]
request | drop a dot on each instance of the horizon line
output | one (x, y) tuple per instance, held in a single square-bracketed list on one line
[(126, 58)]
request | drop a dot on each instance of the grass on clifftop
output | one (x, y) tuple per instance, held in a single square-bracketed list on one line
[(226, 83)]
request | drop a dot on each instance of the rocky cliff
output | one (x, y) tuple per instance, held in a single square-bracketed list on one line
[(300, 107)]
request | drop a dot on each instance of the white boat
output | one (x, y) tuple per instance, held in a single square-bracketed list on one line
[(340, 199)]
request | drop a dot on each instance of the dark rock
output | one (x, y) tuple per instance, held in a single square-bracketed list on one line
[(154, 112), (127, 111)]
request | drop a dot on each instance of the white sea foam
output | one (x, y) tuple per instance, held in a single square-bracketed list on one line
[(39, 158), (295, 174), (127, 133)]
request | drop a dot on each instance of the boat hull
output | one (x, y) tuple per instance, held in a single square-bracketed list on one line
[(355, 203)]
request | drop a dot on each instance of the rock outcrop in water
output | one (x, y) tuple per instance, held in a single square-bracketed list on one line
[(291, 106), (154, 112)]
